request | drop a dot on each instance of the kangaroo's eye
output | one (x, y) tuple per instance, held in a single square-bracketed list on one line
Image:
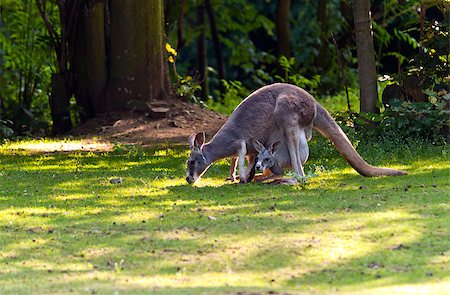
[(191, 162)]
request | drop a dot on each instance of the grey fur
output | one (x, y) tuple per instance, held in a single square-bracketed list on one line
[(274, 111)]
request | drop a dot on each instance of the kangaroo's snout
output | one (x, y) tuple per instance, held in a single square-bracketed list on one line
[(258, 167), (190, 179)]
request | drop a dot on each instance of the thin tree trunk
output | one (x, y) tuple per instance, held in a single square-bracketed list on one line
[(282, 28), (201, 52), (322, 19), (217, 48), (366, 56), (59, 104), (61, 82), (180, 25), (138, 64), (342, 72)]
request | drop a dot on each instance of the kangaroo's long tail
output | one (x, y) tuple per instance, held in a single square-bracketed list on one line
[(326, 125)]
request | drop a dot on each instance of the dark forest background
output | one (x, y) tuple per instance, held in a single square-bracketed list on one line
[(385, 63)]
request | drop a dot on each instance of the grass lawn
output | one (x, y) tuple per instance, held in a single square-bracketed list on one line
[(64, 228)]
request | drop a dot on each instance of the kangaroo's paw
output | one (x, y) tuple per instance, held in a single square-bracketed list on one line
[(232, 178)]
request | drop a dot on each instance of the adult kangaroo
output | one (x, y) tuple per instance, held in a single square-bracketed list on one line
[(263, 115)]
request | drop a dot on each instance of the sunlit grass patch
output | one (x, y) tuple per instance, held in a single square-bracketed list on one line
[(50, 145), (65, 225)]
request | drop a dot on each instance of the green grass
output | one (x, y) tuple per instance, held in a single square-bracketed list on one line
[(64, 228)]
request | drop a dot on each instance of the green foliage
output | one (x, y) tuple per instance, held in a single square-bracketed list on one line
[(426, 58), (406, 120), (426, 120), (237, 20), (5, 129), (338, 102), (233, 96), (293, 75), (432, 61), (65, 226), (399, 21), (188, 88), (25, 68), (131, 151)]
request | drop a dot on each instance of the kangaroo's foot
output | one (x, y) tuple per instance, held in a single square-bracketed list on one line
[(284, 181)]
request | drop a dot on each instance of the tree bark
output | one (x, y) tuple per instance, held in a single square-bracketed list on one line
[(282, 28), (322, 59), (180, 25), (89, 60), (366, 56), (59, 104), (61, 82), (138, 60), (201, 51)]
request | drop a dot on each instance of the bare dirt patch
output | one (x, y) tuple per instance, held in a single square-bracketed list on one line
[(139, 126)]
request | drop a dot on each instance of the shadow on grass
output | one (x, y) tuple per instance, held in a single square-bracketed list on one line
[(62, 218)]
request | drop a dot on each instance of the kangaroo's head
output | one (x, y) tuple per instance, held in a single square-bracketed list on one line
[(197, 162), (265, 158)]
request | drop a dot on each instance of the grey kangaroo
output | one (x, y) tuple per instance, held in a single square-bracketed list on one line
[(275, 111)]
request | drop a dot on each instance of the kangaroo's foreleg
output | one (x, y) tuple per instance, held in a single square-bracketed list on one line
[(233, 165), (242, 152), (251, 168)]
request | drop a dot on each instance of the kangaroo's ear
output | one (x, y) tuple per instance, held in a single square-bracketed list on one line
[(196, 140), (200, 138), (275, 146), (257, 145)]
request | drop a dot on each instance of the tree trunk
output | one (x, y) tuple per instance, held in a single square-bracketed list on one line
[(59, 104), (62, 82), (217, 48), (282, 28), (201, 51), (138, 64), (89, 62), (180, 25), (366, 56), (322, 59)]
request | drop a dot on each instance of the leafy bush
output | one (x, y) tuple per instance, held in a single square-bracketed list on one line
[(408, 120), (235, 92), (294, 76), (423, 120), (187, 88), (5, 130)]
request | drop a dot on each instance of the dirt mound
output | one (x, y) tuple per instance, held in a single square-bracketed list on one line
[(168, 121)]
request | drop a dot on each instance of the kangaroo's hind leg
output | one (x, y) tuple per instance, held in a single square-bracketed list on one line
[(292, 137)]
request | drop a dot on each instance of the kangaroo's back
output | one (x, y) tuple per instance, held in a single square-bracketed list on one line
[(265, 112)]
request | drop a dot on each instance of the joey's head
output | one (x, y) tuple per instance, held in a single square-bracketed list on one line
[(265, 158), (197, 162)]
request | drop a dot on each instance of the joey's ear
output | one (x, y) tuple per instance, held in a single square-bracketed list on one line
[(275, 146), (257, 145), (196, 140)]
